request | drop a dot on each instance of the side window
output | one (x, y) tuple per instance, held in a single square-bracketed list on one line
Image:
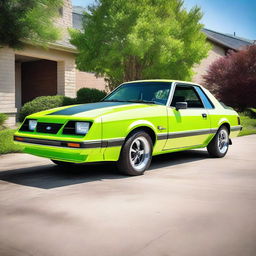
[(187, 94), (207, 103)]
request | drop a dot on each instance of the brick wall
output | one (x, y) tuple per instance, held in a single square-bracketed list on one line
[(201, 69), (85, 79), (7, 84), (65, 20), (65, 67)]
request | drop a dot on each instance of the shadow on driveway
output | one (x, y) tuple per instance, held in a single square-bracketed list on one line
[(52, 176)]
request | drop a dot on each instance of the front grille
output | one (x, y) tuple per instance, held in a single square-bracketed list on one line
[(70, 128), (48, 128)]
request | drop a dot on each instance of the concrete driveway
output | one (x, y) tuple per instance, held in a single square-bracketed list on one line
[(187, 204)]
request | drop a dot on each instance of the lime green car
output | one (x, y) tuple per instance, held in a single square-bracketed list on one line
[(136, 121)]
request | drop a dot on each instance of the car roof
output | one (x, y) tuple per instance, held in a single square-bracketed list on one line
[(162, 80)]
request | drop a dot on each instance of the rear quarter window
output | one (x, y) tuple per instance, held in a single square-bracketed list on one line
[(207, 103)]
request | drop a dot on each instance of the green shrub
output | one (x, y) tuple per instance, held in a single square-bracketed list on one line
[(6, 142), (44, 103), (251, 112), (249, 125), (88, 95), (3, 118)]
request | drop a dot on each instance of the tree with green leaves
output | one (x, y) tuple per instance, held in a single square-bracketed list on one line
[(31, 20), (127, 40)]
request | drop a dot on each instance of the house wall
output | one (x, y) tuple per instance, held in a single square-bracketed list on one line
[(10, 91), (7, 84), (65, 66), (89, 80), (201, 69), (18, 85), (65, 20)]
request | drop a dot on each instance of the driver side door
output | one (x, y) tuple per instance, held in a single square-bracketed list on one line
[(188, 127)]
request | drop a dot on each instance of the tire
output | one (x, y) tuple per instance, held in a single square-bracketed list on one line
[(61, 163), (136, 154), (218, 147)]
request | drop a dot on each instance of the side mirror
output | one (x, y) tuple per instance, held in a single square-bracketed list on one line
[(181, 105)]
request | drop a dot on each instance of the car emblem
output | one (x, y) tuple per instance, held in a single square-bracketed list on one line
[(48, 128)]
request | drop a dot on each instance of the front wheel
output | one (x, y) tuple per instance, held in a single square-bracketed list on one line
[(136, 154), (219, 145)]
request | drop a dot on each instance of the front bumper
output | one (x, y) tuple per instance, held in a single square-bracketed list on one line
[(74, 155), (59, 143), (88, 151)]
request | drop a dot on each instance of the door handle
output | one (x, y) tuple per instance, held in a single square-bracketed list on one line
[(204, 115)]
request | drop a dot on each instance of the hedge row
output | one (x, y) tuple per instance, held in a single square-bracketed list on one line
[(84, 95), (3, 117)]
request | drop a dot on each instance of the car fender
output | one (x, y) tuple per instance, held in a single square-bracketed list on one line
[(223, 121), (140, 123)]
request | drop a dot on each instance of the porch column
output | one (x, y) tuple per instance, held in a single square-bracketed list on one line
[(7, 84), (66, 73)]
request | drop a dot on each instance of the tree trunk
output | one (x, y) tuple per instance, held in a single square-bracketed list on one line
[(132, 69)]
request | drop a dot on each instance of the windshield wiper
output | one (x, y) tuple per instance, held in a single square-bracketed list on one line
[(115, 100), (134, 101), (142, 101)]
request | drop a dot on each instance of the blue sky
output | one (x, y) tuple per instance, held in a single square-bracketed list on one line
[(226, 16)]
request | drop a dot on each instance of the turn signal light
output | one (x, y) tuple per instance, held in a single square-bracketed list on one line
[(73, 145), (18, 138)]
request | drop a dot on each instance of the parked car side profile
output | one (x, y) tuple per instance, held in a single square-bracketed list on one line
[(136, 121)]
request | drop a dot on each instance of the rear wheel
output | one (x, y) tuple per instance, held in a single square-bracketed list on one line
[(136, 154), (219, 145)]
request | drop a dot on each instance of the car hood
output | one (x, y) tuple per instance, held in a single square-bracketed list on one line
[(92, 110)]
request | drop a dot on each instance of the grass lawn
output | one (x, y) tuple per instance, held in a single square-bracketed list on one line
[(6, 142), (249, 125)]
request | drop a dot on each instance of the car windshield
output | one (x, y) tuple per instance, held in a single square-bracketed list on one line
[(141, 92)]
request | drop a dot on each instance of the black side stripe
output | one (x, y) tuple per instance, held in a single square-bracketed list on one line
[(191, 133), (163, 136), (175, 135), (57, 143)]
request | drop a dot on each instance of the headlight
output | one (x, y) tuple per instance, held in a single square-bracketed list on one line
[(82, 127), (32, 125)]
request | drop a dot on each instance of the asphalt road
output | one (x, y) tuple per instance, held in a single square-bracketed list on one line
[(186, 204)]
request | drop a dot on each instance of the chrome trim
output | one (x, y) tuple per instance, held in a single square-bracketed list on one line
[(171, 93), (161, 128)]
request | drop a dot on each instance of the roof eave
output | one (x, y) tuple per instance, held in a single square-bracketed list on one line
[(221, 43), (62, 48), (54, 46)]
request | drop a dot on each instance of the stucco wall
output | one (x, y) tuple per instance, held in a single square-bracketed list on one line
[(201, 69)]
